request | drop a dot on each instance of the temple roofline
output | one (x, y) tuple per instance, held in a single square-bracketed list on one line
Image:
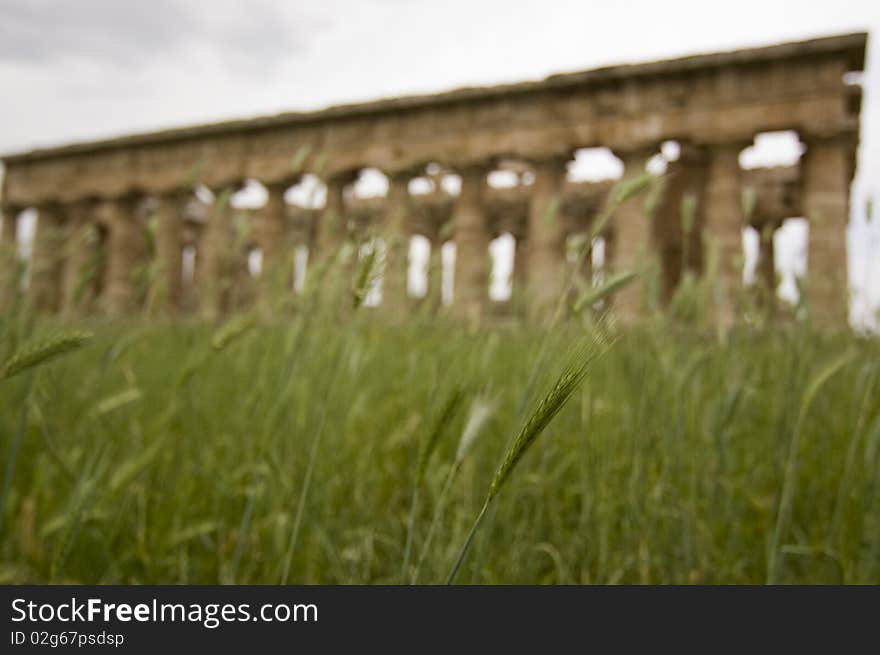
[(854, 43)]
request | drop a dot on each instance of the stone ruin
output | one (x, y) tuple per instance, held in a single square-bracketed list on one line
[(96, 201)]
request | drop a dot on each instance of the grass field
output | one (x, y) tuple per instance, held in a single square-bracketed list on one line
[(166, 452)]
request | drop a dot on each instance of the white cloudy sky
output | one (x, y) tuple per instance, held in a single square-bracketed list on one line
[(80, 69)]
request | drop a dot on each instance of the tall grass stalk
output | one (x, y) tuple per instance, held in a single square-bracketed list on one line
[(40, 352), (26, 359), (363, 282), (481, 410), (611, 286), (789, 480), (624, 190), (870, 394), (425, 452), (14, 448), (669, 470), (540, 418), (310, 467)]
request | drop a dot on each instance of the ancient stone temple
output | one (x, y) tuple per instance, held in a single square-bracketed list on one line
[(116, 218)]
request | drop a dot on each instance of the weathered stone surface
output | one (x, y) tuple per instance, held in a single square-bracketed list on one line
[(168, 216), (9, 266), (520, 274), (471, 244), (546, 258), (126, 253), (397, 211), (826, 204), (217, 265), (332, 229), (766, 281), (633, 250), (81, 259), (777, 195), (47, 262), (724, 224), (272, 236), (677, 222)]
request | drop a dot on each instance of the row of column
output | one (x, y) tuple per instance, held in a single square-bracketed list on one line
[(826, 173), (67, 272)]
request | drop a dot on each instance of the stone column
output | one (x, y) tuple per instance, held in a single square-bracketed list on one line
[(546, 241), (397, 212), (126, 254), (677, 220), (632, 240), (723, 224), (520, 275), (8, 224), (216, 270), (80, 259), (434, 294), (169, 250), (47, 258), (825, 199), (471, 289), (273, 238), (191, 239), (332, 230), (9, 266), (695, 170), (244, 287)]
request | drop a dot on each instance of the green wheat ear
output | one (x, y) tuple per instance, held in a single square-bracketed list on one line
[(568, 382), (629, 188), (369, 272), (37, 353), (443, 419), (232, 330), (552, 403), (593, 295)]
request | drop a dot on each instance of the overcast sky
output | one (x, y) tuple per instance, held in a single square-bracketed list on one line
[(74, 70)]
